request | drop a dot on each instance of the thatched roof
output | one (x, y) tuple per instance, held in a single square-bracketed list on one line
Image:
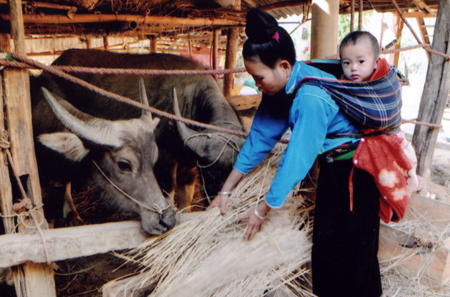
[(160, 17), (52, 26)]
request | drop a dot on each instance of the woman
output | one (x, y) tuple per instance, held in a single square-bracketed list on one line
[(345, 243)]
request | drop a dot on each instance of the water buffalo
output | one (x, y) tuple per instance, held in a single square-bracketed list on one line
[(199, 97), (116, 157)]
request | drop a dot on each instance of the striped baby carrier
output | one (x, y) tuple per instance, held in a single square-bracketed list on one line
[(373, 104)]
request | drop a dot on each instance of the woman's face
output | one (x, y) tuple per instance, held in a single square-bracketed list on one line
[(269, 81)]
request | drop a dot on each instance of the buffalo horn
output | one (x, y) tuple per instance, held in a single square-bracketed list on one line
[(97, 131), (146, 115), (196, 144)]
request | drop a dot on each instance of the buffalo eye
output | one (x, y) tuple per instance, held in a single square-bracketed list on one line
[(124, 166)]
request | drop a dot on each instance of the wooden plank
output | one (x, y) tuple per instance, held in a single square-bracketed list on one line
[(435, 94), (74, 242), (429, 265), (245, 102), (436, 213)]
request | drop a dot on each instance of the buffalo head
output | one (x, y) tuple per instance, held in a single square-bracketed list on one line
[(122, 154)]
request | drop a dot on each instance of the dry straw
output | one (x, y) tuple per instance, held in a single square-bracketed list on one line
[(207, 256)]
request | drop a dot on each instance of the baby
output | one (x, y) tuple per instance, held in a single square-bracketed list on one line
[(360, 61), (359, 53)]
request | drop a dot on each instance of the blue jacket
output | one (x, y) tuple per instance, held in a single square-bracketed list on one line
[(312, 116)]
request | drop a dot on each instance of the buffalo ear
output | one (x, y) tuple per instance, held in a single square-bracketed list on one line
[(65, 143)]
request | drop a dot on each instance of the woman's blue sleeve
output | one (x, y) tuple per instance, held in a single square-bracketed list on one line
[(310, 116), (265, 132)]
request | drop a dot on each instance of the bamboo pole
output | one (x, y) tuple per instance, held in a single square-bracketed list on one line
[(102, 18)]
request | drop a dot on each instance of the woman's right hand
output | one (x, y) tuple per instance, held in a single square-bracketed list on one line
[(221, 202)]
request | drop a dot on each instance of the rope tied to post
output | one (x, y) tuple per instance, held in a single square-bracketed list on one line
[(24, 209)]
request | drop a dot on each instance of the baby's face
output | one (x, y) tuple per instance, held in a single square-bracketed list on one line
[(358, 62)]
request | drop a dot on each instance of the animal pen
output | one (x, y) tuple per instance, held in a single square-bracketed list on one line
[(186, 260)]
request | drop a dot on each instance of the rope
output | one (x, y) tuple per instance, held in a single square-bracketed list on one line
[(116, 71), (156, 208), (31, 213), (123, 99)]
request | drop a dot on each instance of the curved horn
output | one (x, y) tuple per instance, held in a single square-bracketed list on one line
[(144, 98), (196, 144), (146, 115), (99, 133)]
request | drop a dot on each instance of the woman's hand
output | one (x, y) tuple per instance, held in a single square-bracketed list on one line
[(221, 202), (254, 222)]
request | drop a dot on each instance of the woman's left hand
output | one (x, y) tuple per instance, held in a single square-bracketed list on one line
[(254, 223)]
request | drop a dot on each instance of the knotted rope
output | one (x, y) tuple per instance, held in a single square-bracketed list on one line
[(24, 208)]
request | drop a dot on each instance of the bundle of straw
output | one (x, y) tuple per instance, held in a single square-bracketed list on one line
[(208, 256)]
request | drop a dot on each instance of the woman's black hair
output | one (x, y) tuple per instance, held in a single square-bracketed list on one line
[(266, 40), (353, 37)]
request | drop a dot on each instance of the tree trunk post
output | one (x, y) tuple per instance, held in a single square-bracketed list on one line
[(435, 93), (324, 28)]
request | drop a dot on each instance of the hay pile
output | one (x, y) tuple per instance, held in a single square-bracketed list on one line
[(207, 256)]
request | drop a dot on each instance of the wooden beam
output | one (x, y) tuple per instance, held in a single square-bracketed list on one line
[(398, 28), (102, 18), (424, 33), (418, 14), (68, 243), (435, 94), (75, 242)]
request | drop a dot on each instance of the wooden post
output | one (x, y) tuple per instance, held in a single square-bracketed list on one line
[(5, 182), (398, 28), (31, 280), (105, 43), (153, 44), (189, 46), (435, 93), (324, 28), (231, 55), (215, 51)]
